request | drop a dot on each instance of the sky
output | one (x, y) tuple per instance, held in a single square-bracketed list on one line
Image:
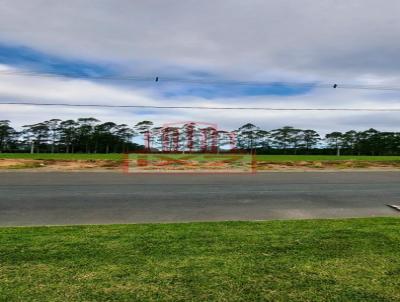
[(304, 41)]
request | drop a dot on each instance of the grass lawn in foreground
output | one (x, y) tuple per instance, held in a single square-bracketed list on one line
[(308, 260), (271, 158)]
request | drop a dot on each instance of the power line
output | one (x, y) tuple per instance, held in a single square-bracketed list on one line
[(158, 79), (200, 107)]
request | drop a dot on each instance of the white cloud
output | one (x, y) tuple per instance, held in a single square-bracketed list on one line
[(326, 37), (340, 41), (59, 90)]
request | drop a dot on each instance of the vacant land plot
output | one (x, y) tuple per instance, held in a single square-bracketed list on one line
[(271, 158), (311, 260), (71, 162)]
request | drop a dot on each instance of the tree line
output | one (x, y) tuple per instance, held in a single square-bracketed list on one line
[(89, 135), (84, 135)]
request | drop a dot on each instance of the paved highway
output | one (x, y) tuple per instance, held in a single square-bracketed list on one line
[(83, 198)]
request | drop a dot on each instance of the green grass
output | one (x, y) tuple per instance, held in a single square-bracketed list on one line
[(283, 158), (310, 260), (271, 158), (62, 156)]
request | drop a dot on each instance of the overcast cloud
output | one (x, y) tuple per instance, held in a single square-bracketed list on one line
[(354, 41)]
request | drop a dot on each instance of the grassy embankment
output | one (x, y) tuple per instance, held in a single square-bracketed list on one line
[(310, 260), (61, 162), (271, 158)]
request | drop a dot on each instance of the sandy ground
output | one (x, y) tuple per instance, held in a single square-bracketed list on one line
[(59, 165), (133, 166)]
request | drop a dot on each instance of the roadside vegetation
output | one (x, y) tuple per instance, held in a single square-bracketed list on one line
[(87, 143), (195, 162), (309, 260), (267, 158), (64, 156), (91, 136)]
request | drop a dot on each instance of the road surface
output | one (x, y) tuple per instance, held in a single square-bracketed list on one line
[(84, 198)]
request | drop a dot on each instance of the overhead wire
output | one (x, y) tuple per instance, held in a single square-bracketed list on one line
[(168, 79), (159, 79), (199, 107)]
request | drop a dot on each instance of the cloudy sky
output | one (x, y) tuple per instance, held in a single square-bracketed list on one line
[(352, 42)]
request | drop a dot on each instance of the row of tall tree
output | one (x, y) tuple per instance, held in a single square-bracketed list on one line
[(89, 135), (291, 140), (85, 135)]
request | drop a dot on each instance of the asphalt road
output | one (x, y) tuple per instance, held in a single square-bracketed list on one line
[(85, 198)]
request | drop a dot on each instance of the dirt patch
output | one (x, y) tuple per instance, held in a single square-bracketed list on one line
[(20, 164), (327, 165), (261, 166), (60, 165)]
